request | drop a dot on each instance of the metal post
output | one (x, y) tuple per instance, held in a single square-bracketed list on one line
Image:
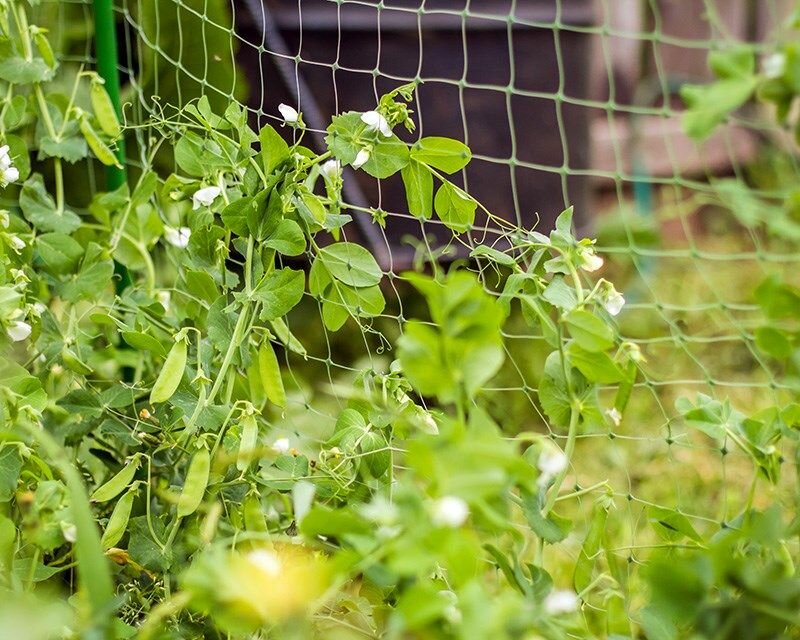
[(106, 53)]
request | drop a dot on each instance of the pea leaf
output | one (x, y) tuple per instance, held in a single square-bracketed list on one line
[(280, 292), (351, 264), (445, 154), (589, 331), (59, 252), (347, 135), (418, 183), (274, 149), (596, 366), (40, 209), (454, 207), (287, 238)]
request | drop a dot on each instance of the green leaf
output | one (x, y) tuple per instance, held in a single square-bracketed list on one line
[(773, 342), (287, 239), (20, 158), (72, 148), (735, 62), (351, 264), (589, 331), (10, 466), (418, 183), (671, 525), (274, 149), (552, 529), (280, 292), (560, 294), (235, 215), (454, 207), (709, 105), (40, 209), (347, 135), (596, 366), (329, 522), (17, 69), (59, 252), (445, 154), (582, 576)]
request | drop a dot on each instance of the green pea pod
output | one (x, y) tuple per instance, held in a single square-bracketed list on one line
[(118, 483), (46, 51), (74, 363), (194, 488), (247, 443), (171, 373), (104, 110), (287, 337), (254, 514), (118, 522), (270, 372), (99, 148)]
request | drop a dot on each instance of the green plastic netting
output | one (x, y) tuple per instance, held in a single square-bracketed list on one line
[(563, 103)]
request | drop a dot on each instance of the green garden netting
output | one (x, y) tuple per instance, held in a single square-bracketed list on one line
[(563, 103)]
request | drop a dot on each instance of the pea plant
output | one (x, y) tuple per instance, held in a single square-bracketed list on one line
[(157, 346)]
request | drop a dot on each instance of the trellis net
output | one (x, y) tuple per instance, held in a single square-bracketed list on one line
[(562, 103)]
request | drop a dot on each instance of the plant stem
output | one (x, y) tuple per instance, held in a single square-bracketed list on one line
[(568, 452)]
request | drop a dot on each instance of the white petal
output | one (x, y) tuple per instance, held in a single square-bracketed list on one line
[(5, 162), (376, 121), (11, 174), (614, 415), (165, 298), (290, 114), (18, 330), (773, 66), (4, 151), (178, 237), (281, 445), (204, 197), (614, 303), (552, 462), (17, 243), (331, 168), (361, 158), (266, 561), (591, 261), (561, 601), (450, 511)]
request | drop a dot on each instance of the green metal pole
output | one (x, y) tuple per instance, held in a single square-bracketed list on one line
[(105, 41)]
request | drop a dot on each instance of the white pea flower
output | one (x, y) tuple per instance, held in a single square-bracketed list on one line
[(376, 122), (561, 601), (331, 169), (8, 172), (614, 415), (289, 114), (774, 65), (612, 300), (266, 561), (37, 308), (204, 197), (18, 330), (551, 462), (361, 158), (178, 237), (450, 511), (17, 243), (70, 532), (165, 298), (281, 445), (590, 261)]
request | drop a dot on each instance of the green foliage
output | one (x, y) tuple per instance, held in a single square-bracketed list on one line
[(165, 472)]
